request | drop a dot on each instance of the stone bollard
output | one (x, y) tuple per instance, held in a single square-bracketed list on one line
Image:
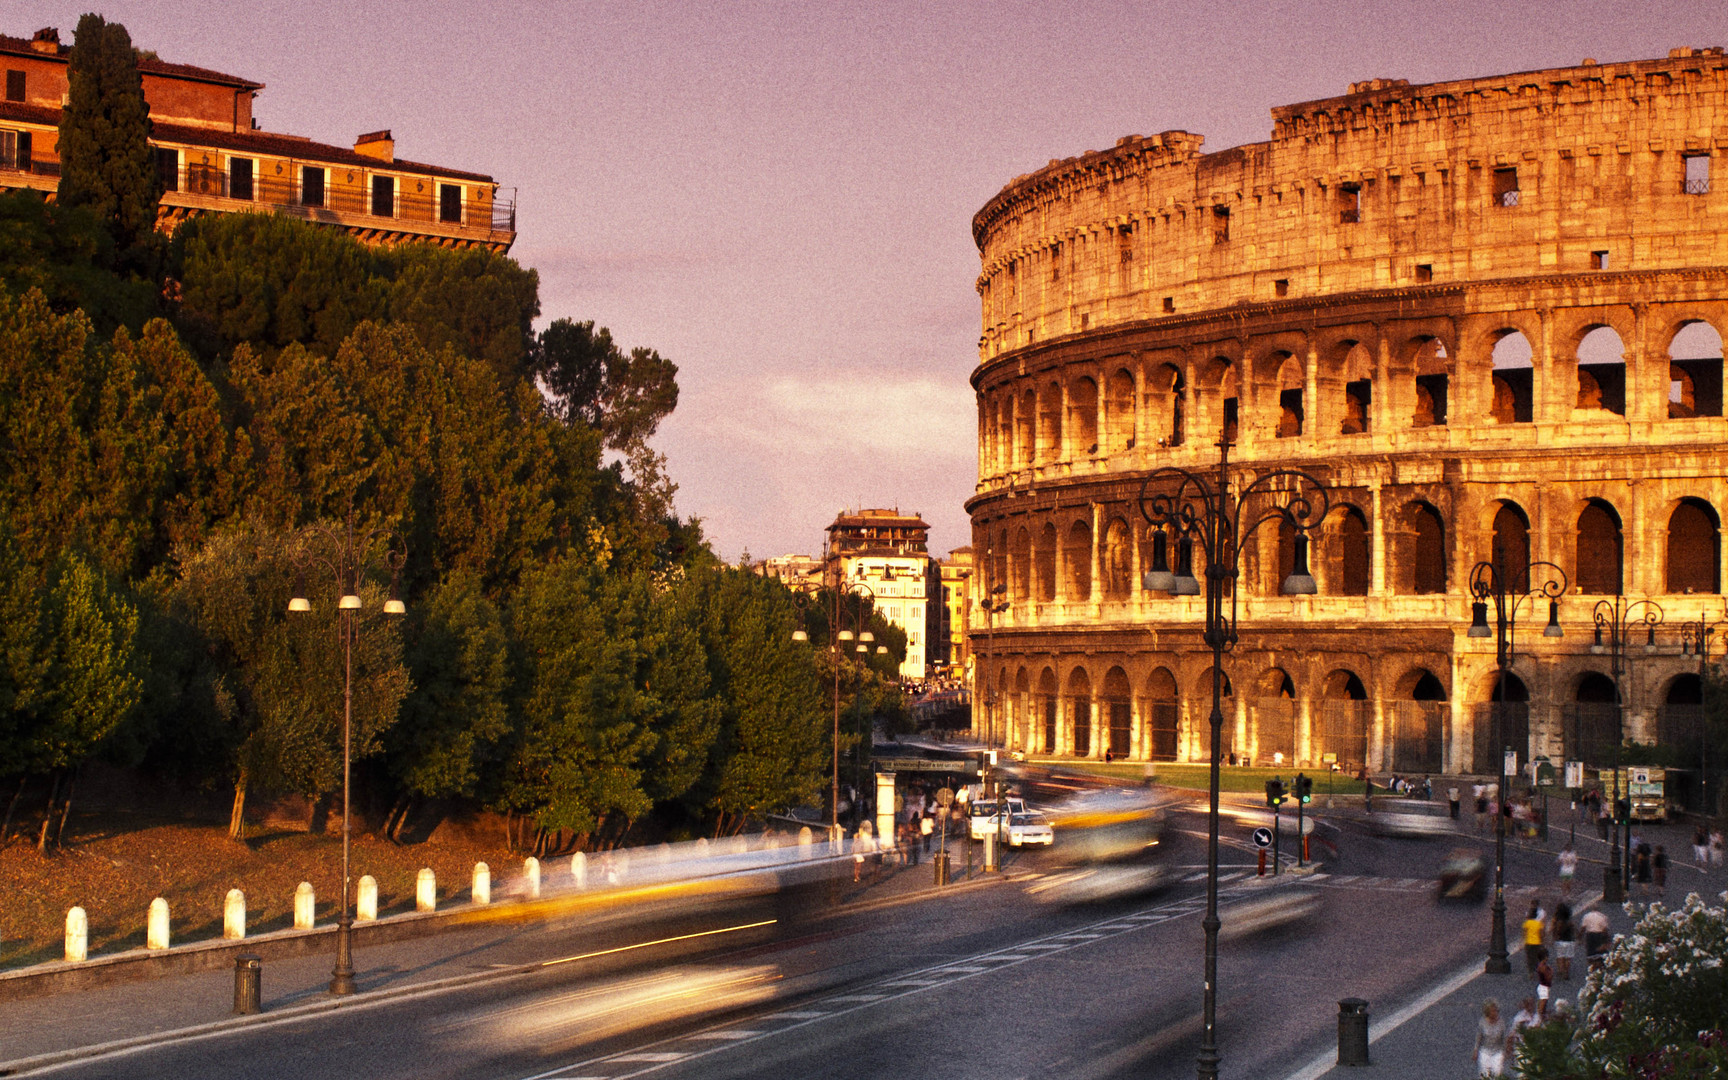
[(531, 877), (305, 906), (482, 890), (234, 915), (663, 853), (806, 843), (1352, 1032), (156, 926), (426, 890), (579, 870), (248, 984), (77, 936), (366, 899), (701, 847)]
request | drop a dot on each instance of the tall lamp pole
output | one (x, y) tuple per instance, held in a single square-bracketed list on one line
[(1617, 617), (1200, 509), (838, 638), (1489, 583), (1695, 640), (348, 556)]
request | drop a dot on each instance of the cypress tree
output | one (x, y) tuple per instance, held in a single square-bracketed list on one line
[(106, 162)]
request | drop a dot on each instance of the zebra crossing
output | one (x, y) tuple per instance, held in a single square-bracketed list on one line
[(1390, 884)]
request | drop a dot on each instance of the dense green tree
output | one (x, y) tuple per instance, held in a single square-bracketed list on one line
[(66, 253), (590, 380), (106, 162), (481, 303)]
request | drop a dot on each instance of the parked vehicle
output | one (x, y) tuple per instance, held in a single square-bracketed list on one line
[(1026, 829), (1463, 876), (986, 819)]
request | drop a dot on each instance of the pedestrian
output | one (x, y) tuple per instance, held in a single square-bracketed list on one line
[(1602, 819), (1428, 789), (1659, 864), (1568, 860), (863, 847), (1452, 799), (1641, 866), (1544, 984), (1480, 794), (1715, 847), (1701, 847), (927, 828), (1595, 927), (1532, 937), (1565, 933), (1491, 1041), (1525, 1017)]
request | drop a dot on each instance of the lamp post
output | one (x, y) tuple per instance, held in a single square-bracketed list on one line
[(1200, 509), (1616, 617), (997, 603), (1695, 640), (1488, 582), (838, 639), (348, 556)]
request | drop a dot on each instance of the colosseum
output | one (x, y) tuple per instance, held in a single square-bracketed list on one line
[(1486, 313)]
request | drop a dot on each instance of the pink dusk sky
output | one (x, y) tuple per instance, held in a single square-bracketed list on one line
[(778, 196)]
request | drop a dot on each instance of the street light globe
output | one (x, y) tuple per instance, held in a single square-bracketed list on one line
[(845, 635), (799, 635), (394, 606), (349, 602), (299, 603), (866, 636)]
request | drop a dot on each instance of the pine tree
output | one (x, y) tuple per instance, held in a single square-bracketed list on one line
[(106, 162)]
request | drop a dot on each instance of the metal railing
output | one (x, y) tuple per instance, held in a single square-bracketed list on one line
[(409, 207), (1508, 198), (1696, 187), (30, 166)]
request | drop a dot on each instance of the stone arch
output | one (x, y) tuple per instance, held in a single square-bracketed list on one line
[(1601, 364), (1020, 565), (1083, 418), (1080, 710), (1418, 565), (1118, 712), (1044, 563), (1049, 710), (1344, 551), (1026, 445), (1431, 371), (1415, 723), (1357, 372), (1509, 549), (1292, 406), (1340, 730), (1694, 548), (1694, 370), (1077, 562), (1420, 684), (1119, 412), (1514, 378), (1167, 399), (1594, 688), (1161, 715), (1599, 554), (1117, 557), (1273, 718), (1200, 699), (1049, 426), (1501, 720)]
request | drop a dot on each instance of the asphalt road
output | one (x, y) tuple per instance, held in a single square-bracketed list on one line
[(983, 983)]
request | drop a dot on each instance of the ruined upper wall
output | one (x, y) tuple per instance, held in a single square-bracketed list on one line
[(1390, 185)]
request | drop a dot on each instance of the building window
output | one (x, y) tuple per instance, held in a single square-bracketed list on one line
[(1697, 166), (1281, 287), (1220, 224), (1424, 271), (450, 203), (1506, 187), (1169, 305), (9, 150), (1349, 204), (1598, 260), (240, 178), (168, 168), (311, 186), (14, 86), (384, 196)]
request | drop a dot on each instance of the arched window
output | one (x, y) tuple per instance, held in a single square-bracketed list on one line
[(1602, 371), (1695, 372), (1694, 548), (1118, 561), (1501, 723), (1346, 552), (1048, 706), (1273, 718), (1118, 711), (1201, 697), (1510, 553), (1119, 411), (1023, 730), (1433, 378), (1083, 419), (1229, 412), (1416, 723), (1600, 550), (1514, 380), (1044, 563), (1291, 408), (1341, 729), (1169, 398), (1020, 565), (1026, 428), (1423, 570), (1050, 423), (1078, 561), (1358, 390), (1080, 711), (1161, 715)]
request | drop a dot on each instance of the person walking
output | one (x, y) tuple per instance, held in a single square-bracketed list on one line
[(1715, 847), (1568, 860), (1641, 866), (927, 828), (1491, 1041), (1452, 800), (1544, 984), (1532, 937), (1595, 927), (1565, 933), (1659, 866), (1701, 847)]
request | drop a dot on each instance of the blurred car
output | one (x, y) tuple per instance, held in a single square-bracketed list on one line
[(1275, 906), (1093, 884), (1463, 876), (1416, 818), (986, 818), (1026, 829)]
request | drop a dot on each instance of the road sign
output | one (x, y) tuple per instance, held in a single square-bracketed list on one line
[(945, 797), (1262, 837)]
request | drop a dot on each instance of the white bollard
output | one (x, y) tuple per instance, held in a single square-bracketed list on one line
[(156, 926), (305, 906), (234, 915), (482, 891), (579, 870), (806, 843), (77, 936), (663, 853), (426, 890), (531, 877), (366, 899), (701, 847)]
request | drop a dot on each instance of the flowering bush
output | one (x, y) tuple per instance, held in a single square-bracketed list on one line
[(1657, 1007)]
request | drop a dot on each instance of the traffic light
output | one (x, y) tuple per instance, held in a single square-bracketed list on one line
[(1304, 789), (1274, 792)]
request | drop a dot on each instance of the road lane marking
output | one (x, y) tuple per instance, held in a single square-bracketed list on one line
[(730, 1033), (658, 1056)]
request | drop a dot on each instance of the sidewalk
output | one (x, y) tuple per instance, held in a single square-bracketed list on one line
[(36, 1031)]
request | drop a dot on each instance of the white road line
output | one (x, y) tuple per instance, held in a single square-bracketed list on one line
[(730, 1033), (657, 1056), (801, 1015), (856, 997), (1326, 1061)]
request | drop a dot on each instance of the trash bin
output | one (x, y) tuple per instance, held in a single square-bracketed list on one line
[(941, 862), (1352, 1032), (248, 979)]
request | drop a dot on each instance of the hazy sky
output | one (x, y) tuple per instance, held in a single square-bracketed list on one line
[(778, 196)]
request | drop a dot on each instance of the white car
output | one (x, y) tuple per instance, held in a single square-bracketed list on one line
[(984, 816), (1026, 829)]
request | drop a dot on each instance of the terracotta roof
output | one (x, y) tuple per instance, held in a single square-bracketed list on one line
[(150, 65), (265, 142), (29, 114)]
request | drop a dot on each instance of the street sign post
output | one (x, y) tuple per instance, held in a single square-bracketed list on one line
[(1263, 837)]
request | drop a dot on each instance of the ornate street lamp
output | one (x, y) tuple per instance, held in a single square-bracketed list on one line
[(1617, 617), (840, 641), (348, 556), (1695, 640), (1201, 510), (1488, 582)]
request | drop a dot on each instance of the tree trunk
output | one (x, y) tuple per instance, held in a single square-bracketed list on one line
[(66, 807), (6, 829), (237, 815), (398, 818), (48, 815)]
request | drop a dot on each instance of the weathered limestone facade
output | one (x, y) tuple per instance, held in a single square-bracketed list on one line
[(1415, 293)]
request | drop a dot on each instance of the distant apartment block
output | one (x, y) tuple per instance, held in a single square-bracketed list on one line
[(214, 158), (886, 552)]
